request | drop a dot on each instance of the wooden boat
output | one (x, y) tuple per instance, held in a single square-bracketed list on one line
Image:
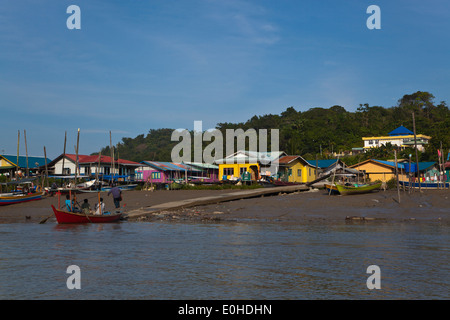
[(359, 189), (281, 183), (78, 217), (331, 188), (425, 185), (12, 198), (123, 187)]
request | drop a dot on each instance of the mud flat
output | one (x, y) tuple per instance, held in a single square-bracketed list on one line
[(282, 207)]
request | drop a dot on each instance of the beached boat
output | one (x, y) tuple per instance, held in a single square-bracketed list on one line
[(12, 198), (425, 185), (123, 187), (78, 217), (331, 188), (358, 189)]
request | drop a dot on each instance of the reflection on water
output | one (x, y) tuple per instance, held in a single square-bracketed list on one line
[(224, 261)]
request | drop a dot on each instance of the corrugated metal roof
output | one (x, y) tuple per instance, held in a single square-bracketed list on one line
[(82, 159), (202, 165), (322, 163), (169, 166), (23, 161), (243, 156)]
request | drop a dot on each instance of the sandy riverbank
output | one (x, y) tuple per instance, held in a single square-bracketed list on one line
[(300, 207)]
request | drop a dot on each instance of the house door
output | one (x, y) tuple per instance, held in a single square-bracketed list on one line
[(254, 173)]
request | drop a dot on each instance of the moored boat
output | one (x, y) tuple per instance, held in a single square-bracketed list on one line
[(331, 188), (64, 217), (425, 185), (11, 198), (358, 189), (123, 187)]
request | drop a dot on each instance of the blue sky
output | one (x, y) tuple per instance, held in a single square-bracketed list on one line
[(140, 65)]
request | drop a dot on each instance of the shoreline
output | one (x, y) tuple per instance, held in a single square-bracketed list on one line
[(297, 207)]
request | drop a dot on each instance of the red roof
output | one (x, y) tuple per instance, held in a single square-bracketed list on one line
[(287, 159), (82, 159)]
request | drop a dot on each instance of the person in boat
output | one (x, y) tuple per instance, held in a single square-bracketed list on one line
[(86, 207), (99, 207), (117, 195), (70, 205)]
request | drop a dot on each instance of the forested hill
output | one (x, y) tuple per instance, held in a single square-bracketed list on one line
[(323, 130)]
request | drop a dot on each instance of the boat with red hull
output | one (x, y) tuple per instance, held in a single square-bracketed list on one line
[(78, 217)]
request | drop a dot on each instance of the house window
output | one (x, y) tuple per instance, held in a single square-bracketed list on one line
[(299, 172), (370, 141), (228, 171), (309, 171), (290, 172), (242, 171), (156, 175)]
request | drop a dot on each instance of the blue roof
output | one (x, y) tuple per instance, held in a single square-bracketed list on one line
[(401, 131), (400, 165), (405, 166), (422, 166), (23, 161), (322, 163)]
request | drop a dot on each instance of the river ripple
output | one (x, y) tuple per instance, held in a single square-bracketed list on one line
[(166, 260)]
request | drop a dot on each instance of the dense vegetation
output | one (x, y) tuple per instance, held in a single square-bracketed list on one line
[(321, 131)]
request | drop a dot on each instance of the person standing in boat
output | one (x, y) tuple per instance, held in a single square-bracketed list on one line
[(117, 195)]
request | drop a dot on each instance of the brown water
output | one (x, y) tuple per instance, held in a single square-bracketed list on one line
[(224, 260)]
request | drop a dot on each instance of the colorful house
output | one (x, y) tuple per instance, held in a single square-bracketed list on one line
[(379, 170), (248, 165), (165, 172), (91, 165), (385, 170), (9, 164), (337, 168), (296, 169), (402, 137), (209, 173)]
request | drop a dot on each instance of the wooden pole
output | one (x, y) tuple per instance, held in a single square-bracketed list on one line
[(17, 162), (77, 170), (334, 175), (317, 167), (64, 153), (112, 155), (396, 174), (26, 151), (46, 168), (443, 166), (417, 154), (98, 168), (409, 174)]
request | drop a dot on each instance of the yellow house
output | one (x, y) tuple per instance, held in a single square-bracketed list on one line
[(379, 170), (296, 169), (247, 165), (233, 171), (401, 137)]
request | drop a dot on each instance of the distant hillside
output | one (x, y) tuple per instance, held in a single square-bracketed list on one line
[(323, 130)]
